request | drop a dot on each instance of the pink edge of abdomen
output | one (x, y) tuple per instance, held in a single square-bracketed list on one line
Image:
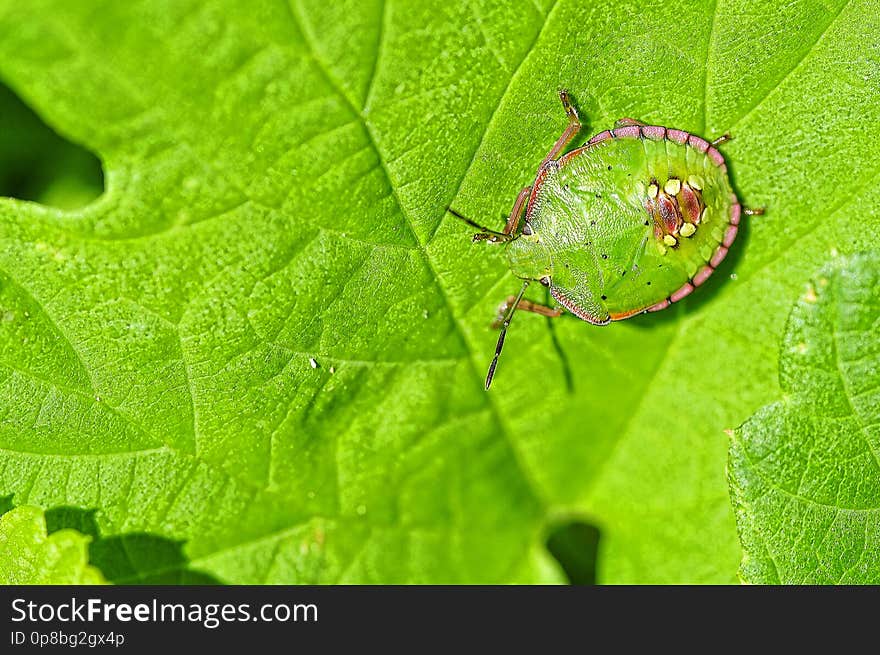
[(682, 292), (715, 156), (602, 136), (660, 305), (735, 212), (654, 132), (628, 132), (718, 257), (697, 143), (702, 275), (679, 136), (730, 235)]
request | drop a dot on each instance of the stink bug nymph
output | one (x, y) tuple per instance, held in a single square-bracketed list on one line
[(630, 222)]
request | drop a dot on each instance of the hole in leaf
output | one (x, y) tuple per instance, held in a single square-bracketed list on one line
[(39, 165), (575, 546)]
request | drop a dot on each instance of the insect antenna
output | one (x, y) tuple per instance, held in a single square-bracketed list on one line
[(508, 316), (485, 232)]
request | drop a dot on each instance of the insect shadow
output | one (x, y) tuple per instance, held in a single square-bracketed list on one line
[(131, 558)]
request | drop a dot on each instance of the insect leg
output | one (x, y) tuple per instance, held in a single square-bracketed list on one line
[(485, 234), (505, 323), (753, 211), (526, 306), (724, 138), (574, 126), (513, 221), (627, 122)]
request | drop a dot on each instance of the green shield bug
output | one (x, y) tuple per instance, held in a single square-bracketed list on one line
[(630, 222)]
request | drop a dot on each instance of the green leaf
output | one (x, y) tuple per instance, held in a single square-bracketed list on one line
[(32, 557), (805, 471), (266, 340)]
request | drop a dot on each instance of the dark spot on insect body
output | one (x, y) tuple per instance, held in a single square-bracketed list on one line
[(609, 167), (604, 297), (646, 223), (566, 265), (598, 195), (604, 256), (649, 283), (592, 222)]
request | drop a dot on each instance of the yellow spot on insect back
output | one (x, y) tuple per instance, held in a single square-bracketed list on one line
[(687, 229), (672, 186), (669, 240), (653, 190), (695, 182), (810, 295)]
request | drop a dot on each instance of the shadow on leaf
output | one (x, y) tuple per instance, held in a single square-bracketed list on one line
[(133, 558), (575, 545), (39, 165)]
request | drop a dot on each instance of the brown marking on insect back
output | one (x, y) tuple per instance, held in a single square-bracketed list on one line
[(654, 132), (678, 136), (654, 213), (670, 216), (690, 202), (580, 312)]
